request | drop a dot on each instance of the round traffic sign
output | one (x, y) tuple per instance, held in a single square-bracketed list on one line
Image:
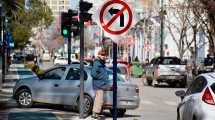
[(117, 13)]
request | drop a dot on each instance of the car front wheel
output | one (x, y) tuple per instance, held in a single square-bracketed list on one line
[(88, 105), (24, 98)]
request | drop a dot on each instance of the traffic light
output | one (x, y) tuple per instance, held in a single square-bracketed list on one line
[(65, 24), (75, 25), (84, 8)]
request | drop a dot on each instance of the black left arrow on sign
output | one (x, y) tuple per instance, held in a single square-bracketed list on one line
[(115, 11)]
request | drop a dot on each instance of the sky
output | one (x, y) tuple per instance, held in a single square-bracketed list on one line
[(74, 3)]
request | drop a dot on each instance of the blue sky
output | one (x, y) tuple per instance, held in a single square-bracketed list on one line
[(74, 3)]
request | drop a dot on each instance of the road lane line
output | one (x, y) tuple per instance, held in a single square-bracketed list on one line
[(146, 102), (171, 103)]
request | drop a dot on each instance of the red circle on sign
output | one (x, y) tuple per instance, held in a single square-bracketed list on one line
[(106, 27)]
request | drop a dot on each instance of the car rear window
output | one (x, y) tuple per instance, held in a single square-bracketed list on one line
[(213, 88), (110, 74), (120, 70), (169, 61)]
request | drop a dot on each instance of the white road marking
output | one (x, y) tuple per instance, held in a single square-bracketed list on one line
[(171, 103), (147, 102)]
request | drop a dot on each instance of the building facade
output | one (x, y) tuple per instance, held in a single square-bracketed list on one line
[(58, 6)]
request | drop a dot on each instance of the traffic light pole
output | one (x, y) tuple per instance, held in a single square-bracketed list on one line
[(81, 112), (69, 49)]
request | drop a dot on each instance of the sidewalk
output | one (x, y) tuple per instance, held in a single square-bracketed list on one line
[(15, 73)]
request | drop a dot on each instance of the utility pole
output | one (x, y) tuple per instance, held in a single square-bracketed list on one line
[(162, 29), (81, 112)]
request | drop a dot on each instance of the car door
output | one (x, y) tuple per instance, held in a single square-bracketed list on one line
[(71, 86), (49, 89), (192, 98)]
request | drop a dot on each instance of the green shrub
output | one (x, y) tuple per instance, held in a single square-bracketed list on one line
[(34, 68)]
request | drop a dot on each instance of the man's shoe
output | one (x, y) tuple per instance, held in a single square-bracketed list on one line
[(95, 115)]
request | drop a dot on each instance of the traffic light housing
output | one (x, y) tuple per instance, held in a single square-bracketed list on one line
[(84, 8), (74, 20), (65, 24)]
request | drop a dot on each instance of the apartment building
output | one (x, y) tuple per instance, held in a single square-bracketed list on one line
[(58, 6)]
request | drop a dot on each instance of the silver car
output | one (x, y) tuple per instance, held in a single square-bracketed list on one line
[(198, 101), (61, 85), (121, 70)]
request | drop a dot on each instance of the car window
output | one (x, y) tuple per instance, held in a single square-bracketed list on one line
[(197, 86), (120, 70), (74, 74), (55, 74), (213, 88), (153, 61), (169, 61), (110, 76)]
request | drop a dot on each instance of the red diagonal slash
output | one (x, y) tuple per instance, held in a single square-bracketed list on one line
[(115, 17)]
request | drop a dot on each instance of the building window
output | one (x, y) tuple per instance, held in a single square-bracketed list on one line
[(61, 2), (54, 2), (61, 7)]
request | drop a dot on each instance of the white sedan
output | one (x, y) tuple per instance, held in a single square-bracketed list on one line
[(61, 61), (198, 101)]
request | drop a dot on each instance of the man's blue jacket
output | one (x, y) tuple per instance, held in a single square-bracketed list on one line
[(100, 75)]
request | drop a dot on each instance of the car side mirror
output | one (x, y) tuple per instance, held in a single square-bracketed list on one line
[(180, 93)]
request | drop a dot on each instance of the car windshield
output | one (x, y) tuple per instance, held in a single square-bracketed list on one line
[(169, 61)]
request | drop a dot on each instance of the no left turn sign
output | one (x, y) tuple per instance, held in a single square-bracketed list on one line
[(115, 17)]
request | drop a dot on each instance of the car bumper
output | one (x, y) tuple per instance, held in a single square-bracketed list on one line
[(207, 112), (171, 77), (122, 102)]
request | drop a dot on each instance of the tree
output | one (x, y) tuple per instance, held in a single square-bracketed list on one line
[(209, 6), (39, 14), (178, 24)]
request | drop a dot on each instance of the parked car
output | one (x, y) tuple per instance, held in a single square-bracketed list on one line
[(46, 56), (197, 103), (122, 70), (61, 85), (61, 61), (170, 70)]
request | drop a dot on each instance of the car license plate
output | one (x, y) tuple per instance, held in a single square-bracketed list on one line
[(126, 102), (172, 77)]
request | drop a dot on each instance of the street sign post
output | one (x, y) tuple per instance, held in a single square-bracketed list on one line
[(115, 18), (1, 41)]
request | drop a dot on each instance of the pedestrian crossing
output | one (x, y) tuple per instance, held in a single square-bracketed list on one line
[(164, 102)]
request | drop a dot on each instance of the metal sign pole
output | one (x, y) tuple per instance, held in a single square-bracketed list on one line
[(81, 112), (1, 41), (114, 81)]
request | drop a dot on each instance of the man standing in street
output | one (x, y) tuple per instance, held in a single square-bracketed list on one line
[(100, 76)]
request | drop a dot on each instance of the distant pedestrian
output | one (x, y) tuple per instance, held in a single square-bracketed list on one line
[(208, 61), (35, 60), (100, 77)]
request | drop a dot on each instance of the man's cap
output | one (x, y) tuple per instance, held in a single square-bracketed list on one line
[(101, 52)]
